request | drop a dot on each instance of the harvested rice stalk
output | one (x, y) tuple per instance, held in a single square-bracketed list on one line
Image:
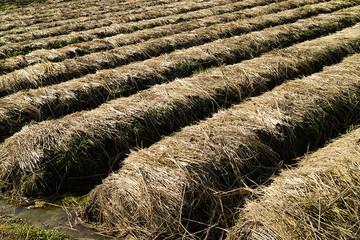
[(45, 157), (57, 100), (200, 174), (183, 62), (103, 29), (319, 199), (96, 45)]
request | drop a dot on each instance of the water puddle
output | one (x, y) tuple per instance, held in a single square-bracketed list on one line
[(51, 216)]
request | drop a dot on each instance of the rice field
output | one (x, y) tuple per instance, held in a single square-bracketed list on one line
[(177, 119)]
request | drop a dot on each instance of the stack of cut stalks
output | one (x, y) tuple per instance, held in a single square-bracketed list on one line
[(186, 119)]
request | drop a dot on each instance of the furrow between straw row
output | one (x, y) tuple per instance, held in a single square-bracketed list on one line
[(319, 199), (103, 25), (44, 158), (160, 10), (89, 35), (183, 62), (71, 51), (199, 175)]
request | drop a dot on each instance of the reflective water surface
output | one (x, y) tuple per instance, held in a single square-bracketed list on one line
[(51, 216)]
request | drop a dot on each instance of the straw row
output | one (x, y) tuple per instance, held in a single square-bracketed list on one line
[(319, 199), (200, 174), (73, 50)]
